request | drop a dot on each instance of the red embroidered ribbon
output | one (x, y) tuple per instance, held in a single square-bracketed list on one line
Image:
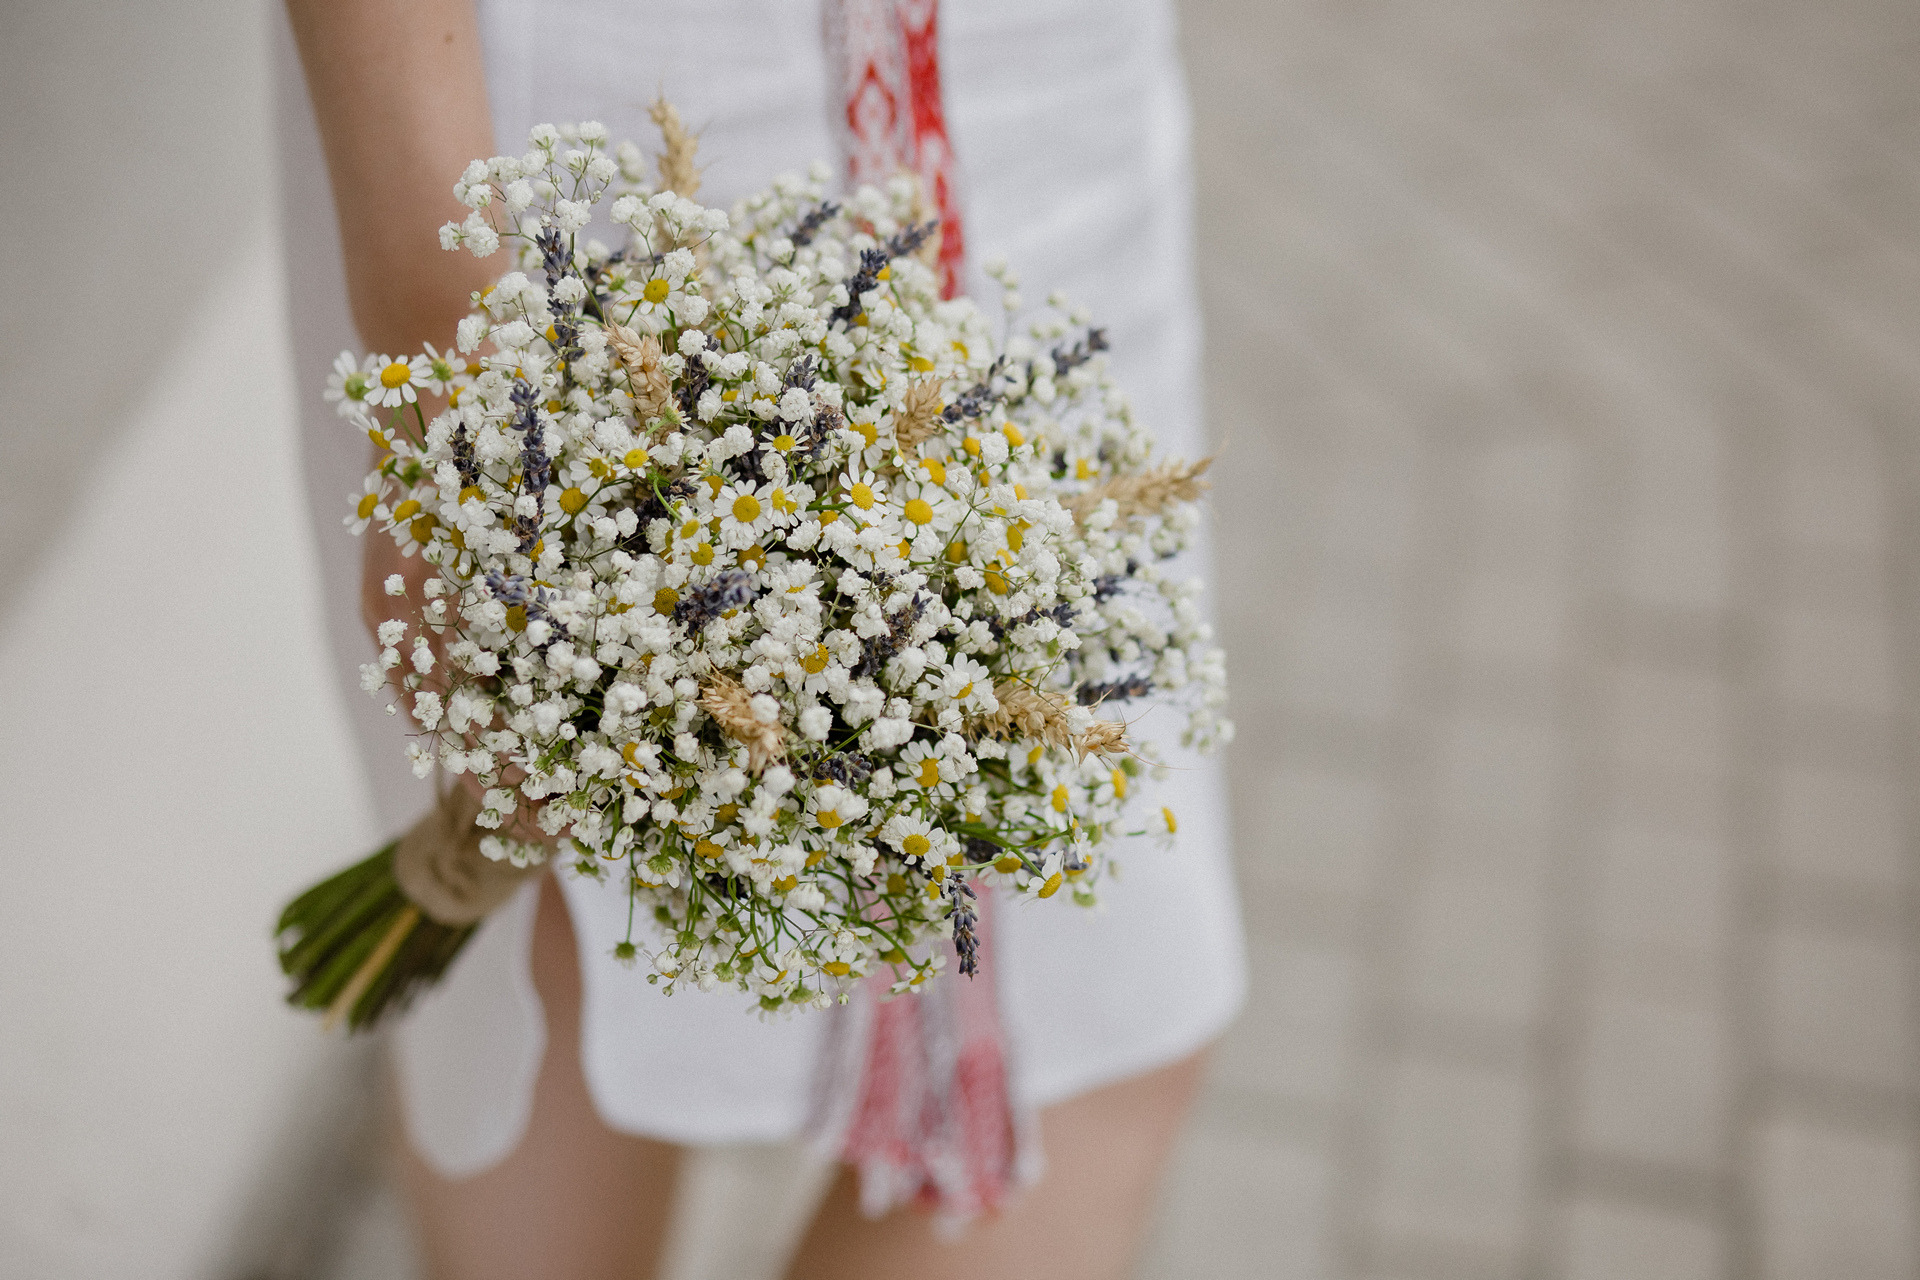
[(932, 1121), (888, 59), (933, 1124)]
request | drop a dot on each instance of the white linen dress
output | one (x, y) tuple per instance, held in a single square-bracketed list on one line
[(1069, 120)]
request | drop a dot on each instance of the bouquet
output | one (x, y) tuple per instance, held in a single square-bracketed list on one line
[(795, 598)]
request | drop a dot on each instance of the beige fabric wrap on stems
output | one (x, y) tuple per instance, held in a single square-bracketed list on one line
[(440, 868)]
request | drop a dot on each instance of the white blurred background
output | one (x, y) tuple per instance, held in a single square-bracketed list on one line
[(1567, 358)]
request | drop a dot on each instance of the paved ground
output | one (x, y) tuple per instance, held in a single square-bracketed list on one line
[(1569, 358), (1570, 588)]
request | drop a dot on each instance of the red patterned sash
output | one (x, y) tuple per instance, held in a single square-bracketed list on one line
[(915, 1092), (887, 55)]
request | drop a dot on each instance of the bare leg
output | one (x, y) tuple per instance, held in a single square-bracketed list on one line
[(1082, 1222), (575, 1199)]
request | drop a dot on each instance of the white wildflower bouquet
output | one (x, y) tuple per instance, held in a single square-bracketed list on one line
[(764, 580)]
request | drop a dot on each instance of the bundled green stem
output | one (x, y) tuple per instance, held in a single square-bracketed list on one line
[(356, 947)]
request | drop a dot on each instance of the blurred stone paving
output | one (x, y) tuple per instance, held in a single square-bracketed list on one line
[(1567, 360), (1568, 356)]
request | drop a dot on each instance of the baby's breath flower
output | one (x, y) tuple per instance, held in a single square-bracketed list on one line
[(766, 566)]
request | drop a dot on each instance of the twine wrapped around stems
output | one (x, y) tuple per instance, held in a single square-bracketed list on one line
[(440, 868)]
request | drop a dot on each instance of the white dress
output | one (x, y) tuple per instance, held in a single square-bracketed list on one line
[(1069, 120)]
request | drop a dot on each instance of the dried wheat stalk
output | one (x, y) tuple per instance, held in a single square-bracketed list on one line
[(731, 706), (918, 416), (678, 173), (1149, 493), (1036, 713), (641, 357)]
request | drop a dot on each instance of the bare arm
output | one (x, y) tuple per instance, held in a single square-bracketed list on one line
[(400, 94)]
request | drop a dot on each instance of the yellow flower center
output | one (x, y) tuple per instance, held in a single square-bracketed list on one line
[(1172, 824), (965, 691), (703, 553), (815, 662), (863, 497), (573, 501), (838, 968), (783, 442), (664, 599), (916, 845), (956, 552), (828, 819), (367, 504), (396, 375), (1060, 798), (746, 508), (706, 849), (636, 458), (1120, 784), (936, 470), (656, 291), (1052, 886), (1082, 470), (972, 446), (1016, 535), (929, 772), (782, 503), (996, 582), (1015, 437), (919, 510), (406, 510)]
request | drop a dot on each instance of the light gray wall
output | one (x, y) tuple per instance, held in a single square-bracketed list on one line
[(173, 762), (134, 144)]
